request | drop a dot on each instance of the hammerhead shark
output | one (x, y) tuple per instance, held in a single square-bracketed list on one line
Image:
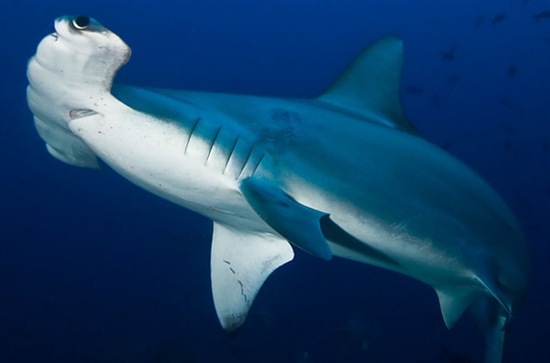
[(342, 174)]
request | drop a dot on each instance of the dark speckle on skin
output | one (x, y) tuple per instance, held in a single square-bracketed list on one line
[(242, 291), (281, 129), (281, 115), (285, 119), (233, 322)]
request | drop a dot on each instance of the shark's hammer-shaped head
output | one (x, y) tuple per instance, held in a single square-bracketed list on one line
[(69, 77)]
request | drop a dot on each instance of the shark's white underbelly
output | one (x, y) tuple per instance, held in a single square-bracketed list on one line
[(153, 155)]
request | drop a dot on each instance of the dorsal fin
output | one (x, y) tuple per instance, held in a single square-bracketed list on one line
[(371, 83)]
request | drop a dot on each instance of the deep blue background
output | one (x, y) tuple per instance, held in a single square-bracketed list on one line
[(93, 269)]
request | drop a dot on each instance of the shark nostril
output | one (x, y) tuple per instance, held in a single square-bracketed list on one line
[(81, 22)]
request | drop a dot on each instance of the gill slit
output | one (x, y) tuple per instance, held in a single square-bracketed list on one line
[(212, 145), (245, 162), (230, 155), (191, 134), (258, 164)]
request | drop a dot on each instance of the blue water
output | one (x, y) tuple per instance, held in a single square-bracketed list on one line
[(93, 269)]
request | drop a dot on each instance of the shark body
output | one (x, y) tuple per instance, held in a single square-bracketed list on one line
[(344, 174)]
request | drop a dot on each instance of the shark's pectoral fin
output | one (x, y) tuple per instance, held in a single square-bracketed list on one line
[(299, 224), (240, 264)]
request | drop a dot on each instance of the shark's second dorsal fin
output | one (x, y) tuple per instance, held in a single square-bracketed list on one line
[(371, 83)]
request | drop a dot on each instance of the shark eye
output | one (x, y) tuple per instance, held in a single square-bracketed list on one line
[(81, 22)]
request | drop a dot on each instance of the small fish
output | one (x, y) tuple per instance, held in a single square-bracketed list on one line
[(545, 14), (414, 90), (450, 54), (479, 21), (512, 70), (499, 18)]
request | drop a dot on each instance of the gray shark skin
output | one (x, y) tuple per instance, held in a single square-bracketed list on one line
[(344, 174)]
